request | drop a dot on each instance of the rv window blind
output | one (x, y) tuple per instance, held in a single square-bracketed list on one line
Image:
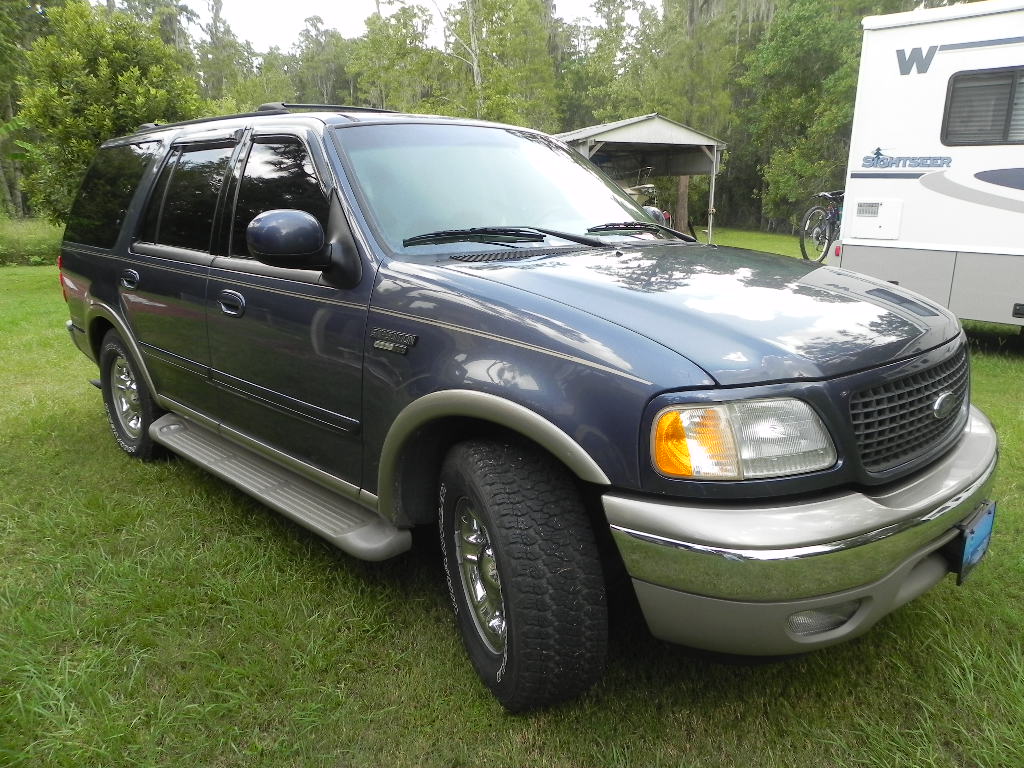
[(985, 108), (1017, 111)]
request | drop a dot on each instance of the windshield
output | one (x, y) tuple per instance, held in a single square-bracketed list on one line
[(421, 179)]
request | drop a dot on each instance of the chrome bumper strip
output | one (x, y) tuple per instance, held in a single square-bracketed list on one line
[(792, 553)]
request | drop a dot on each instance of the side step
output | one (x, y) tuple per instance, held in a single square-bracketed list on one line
[(341, 521)]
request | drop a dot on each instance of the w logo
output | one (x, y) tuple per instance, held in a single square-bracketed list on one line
[(916, 58)]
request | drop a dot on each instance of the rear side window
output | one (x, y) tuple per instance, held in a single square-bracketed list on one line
[(985, 107), (278, 174), (181, 208), (106, 193)]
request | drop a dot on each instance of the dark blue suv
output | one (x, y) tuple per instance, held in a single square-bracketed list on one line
[(372, 321)]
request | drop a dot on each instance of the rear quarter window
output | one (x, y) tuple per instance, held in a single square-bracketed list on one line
[(106, 193)]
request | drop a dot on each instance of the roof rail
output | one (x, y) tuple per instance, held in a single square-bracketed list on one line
[(277, 106), (154, 126), (272, 108)]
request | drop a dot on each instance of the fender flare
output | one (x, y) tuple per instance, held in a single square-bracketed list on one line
[(485, 407), (98, 309)]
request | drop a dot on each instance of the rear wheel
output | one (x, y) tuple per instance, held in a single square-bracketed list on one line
[(815, 234), (128, 402), (523, 572)]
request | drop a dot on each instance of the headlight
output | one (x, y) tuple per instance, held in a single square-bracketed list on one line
[(741, 440)]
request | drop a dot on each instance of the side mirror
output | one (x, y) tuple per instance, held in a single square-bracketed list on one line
[(346, 269), (288, 238)]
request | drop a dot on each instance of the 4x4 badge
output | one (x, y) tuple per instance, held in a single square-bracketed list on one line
[(392, 341), (944, 405)]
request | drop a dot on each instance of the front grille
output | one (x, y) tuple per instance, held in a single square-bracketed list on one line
[(895, 422)]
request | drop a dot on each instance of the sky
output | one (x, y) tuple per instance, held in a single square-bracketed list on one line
[(266, 23)]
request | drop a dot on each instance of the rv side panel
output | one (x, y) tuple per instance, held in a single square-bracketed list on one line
[(935, 180)]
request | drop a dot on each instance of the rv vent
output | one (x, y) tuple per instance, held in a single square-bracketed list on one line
[(868, 209)]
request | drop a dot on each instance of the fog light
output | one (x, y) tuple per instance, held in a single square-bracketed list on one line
[(822, 619)]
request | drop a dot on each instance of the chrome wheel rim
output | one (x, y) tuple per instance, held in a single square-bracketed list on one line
[(124, 392), (479, 574)]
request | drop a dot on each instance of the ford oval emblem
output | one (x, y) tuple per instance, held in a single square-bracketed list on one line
[(945, 405)]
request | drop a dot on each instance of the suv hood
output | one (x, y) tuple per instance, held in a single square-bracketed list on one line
[(743, 316)]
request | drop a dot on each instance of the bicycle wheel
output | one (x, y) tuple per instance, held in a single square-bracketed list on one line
[(815, 234)]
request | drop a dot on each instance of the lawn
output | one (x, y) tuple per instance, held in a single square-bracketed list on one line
[(152, 615), (28, 241), (787, 245)]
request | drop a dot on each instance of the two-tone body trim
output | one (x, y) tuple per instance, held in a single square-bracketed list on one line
[(802, 547), (98, 309), (326, 479), (280, 402), (486, 407), (812, 550), (513, 342)]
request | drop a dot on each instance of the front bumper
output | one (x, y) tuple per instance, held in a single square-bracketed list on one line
[(728, 576)]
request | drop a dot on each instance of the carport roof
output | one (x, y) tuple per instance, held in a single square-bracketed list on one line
[(668, 147)]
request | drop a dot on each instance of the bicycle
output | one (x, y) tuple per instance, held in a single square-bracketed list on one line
[(819, 227)]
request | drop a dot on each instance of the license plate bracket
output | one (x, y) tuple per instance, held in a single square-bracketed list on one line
[(972, 543)]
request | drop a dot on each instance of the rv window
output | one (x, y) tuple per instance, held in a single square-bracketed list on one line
[(985, 108)]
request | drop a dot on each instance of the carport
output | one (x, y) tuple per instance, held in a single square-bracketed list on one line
[(652, 141)]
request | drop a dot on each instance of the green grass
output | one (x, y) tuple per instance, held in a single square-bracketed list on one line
[(151, 615), (787, 245), (28, 241)]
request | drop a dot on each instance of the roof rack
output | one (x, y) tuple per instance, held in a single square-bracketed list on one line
[(271, 108), (278, 106), (154, 126)]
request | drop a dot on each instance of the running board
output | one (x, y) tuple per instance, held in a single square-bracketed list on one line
[(348, 526)]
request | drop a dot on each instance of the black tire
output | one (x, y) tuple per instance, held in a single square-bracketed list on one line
[(815, 234), (127, 400), (539, 552)]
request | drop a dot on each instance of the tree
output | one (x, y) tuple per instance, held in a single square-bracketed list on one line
[(94, 76), (609, 67), (20, 24), (703, 46), (171, 18), (462, 42), (392, 60), (271, 82), (11, 55), (505, 47), (803, 80), (323, 65), (223, 60)]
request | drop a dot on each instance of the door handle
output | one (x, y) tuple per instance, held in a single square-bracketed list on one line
[(231, 303), (130, 279)]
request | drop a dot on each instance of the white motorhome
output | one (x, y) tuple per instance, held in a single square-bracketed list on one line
[(935, 181)]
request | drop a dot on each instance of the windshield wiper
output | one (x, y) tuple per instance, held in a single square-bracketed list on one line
[(642, 226), (527, 234)]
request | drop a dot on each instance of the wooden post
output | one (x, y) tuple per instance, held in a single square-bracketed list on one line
[(681, 213)]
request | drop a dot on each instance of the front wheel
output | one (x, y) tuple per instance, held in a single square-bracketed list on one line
[(815, 234), (524, 574)]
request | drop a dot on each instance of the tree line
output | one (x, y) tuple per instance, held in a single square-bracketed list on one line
[(774, 79)]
